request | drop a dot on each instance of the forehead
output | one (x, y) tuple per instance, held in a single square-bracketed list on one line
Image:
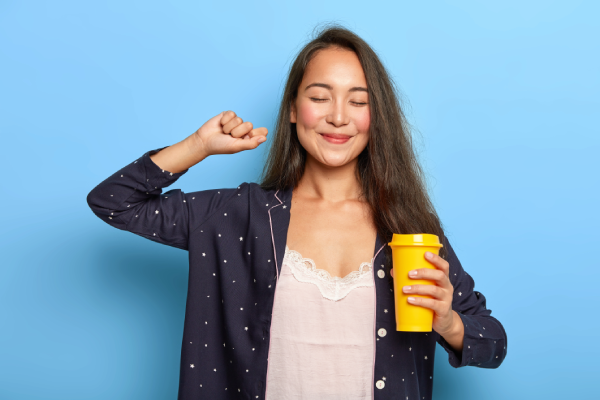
[(335, 66)]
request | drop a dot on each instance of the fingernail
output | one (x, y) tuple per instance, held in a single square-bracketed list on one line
[(412, 272), (406, 288), (261, 139), (411, 299), (428, 254)]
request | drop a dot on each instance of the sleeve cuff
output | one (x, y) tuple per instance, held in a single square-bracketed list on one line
[(157, 177), (461, 359)]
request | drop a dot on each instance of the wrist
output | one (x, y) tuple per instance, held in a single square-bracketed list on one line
[(457, 325), (455, 335), (196, 147)]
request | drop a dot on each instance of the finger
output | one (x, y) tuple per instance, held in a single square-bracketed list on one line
[(248, 144), (258, 132), (255, 133), (234, 122), (392, 272), (437, 261), (436, 305), (227, 116), (436, 275), (425, 290), (241, 130)]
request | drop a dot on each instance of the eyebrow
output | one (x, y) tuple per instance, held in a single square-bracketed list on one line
[(329, 87)]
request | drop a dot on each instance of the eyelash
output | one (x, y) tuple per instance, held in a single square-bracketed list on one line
[(318, 100)]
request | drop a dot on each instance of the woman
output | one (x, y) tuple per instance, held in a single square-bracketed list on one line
[(290, 293)]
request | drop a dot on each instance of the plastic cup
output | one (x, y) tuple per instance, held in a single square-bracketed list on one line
[(408, 253)]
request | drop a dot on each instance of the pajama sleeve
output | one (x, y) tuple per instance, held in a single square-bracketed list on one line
[(131, 199), (485, 337)]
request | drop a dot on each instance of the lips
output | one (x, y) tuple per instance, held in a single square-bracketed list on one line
[(336, 135)]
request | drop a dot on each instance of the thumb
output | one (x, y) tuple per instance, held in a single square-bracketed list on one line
[(249, 144)]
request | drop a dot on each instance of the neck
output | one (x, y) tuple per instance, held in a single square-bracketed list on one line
[(332, 184)]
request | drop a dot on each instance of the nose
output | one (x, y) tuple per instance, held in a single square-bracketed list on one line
[(338, 115)]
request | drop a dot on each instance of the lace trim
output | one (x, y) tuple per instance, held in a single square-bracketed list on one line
[(331, 287)]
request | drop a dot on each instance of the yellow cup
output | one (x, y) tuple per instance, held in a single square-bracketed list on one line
[(408, 253)]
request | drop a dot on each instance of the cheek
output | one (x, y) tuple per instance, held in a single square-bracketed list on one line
[(308, 115), (363, 121)]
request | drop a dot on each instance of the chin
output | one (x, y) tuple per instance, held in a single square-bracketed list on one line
[(334, 161)]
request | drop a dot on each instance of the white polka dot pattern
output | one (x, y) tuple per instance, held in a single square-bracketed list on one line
[(236, 242)]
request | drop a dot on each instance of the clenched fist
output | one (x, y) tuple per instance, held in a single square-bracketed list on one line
[(226, 133)]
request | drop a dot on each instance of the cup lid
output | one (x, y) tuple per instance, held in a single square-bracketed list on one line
[(415, 239)]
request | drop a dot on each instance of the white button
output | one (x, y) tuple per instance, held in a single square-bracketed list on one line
[(381, 273), (382, 332), (379, 384)]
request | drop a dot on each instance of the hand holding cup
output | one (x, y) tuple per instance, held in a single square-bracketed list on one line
[(441, 292)]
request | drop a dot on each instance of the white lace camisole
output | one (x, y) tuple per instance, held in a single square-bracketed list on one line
[(322, 333)]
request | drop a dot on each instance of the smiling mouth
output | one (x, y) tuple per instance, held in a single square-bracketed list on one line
[(335, 135)]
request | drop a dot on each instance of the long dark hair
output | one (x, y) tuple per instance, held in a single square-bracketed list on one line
[(391, 178)]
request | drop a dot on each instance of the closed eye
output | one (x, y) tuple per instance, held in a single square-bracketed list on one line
[(321, 100)]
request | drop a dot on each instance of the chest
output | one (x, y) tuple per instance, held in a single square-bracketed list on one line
[(337, 237)]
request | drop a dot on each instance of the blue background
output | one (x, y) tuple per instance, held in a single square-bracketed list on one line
[(503, 97)]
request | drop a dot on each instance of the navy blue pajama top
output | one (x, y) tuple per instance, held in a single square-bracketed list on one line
[(236, 241)]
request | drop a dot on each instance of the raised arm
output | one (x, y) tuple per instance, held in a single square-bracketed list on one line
[(131, 199)]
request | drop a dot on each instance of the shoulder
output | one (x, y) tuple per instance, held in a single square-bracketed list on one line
[(258, 193), (245, 190)]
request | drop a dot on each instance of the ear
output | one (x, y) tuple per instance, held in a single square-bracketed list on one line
[(293, 112)]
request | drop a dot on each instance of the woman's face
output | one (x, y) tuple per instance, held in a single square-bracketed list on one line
[(331, 111)]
